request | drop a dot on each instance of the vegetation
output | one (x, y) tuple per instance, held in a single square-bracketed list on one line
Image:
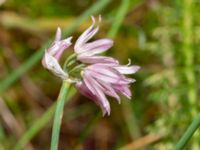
[(161, 36)]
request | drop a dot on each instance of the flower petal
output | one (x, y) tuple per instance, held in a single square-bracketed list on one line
[(109, 90), (109, 72), (64, 44), (106, 88), (96, 47), (52, 64), (106, 78), (102, 100), (85, 91), (85, 36), (123, 89), (88, 82), (58, 34), (105, 107), (124, 69), (105, 70), (97, 59)]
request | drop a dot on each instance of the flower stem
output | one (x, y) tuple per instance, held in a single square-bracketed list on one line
[(58, 115), (188, 133)]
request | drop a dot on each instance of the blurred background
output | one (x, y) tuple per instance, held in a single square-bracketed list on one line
[(161, 36)]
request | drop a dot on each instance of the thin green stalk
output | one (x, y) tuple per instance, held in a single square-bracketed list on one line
[(13, 76), (58, 114), (123, 9), (189, 63), (188, 133), (38, 125), (188, 51)]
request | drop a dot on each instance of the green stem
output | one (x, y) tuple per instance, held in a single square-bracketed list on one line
[(58, 115), (189, 57), (188, 52), (188, 133)]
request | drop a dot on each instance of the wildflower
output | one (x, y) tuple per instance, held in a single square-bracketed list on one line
[(53, 54), (94, 76), (86, 51), (100, 80)]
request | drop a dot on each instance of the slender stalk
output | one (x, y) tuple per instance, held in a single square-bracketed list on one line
[(188, 133), (58, 114), (189, 63), (188, 51)]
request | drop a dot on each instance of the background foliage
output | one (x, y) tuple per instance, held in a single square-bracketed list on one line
[(162, 36)]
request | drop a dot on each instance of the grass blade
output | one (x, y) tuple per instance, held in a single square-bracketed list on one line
[(188, 133), (123, 9)]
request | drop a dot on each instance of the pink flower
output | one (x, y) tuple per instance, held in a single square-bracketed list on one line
[(53, 54), (103, 79), (87, 51), (95, 76)]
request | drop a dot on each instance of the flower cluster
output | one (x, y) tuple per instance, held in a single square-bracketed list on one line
[(94, 76)]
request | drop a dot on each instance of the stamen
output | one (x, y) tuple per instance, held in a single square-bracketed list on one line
[(129, 62), (100, 18)]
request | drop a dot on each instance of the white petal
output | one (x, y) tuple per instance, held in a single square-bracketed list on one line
[(127, 69), (58, 34), (52, 64)]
